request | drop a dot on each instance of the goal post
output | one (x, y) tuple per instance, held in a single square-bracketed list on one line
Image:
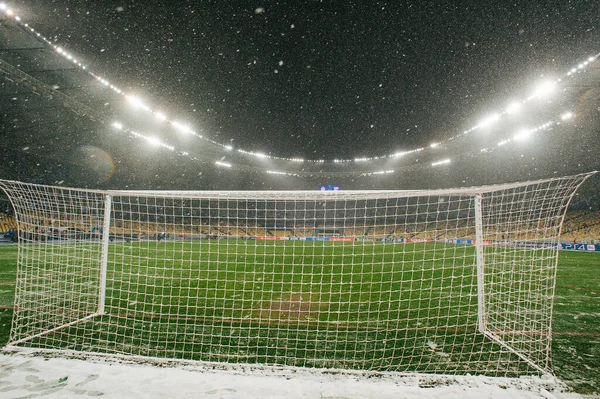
[(449, 281), (480, 264), (104, 257)]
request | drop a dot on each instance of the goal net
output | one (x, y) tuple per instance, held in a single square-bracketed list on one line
[(445, 281)]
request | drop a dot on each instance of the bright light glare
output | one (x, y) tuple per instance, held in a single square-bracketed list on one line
[(224, 164), (161, 116), (445, 161), (513, 107), (9, 12), (135, 101), (2, 6), (566, 116), (259, 155), (489, 120), (433, 145), (522, 135), (117, 125), (181, 127), (544, 89), (153, 140)]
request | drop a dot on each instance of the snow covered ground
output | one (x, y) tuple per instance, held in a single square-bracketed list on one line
[(25, 376)]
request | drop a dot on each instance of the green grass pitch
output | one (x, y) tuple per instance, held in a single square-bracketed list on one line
[(286, 307)]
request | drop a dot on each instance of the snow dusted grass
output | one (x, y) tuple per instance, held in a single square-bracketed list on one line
[(576, 322), (576, 359), (23, 376)]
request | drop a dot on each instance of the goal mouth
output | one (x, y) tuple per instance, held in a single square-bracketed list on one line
[(439, 282)]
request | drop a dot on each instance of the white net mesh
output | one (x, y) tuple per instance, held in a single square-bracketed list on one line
[(379, 281)]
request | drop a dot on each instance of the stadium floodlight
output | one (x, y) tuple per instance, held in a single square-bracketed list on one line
[(2, 6), (566, 116), (591, 59), (489, 120), (544, 89), (442, 162), (228, 147), (513, 107), (274, 172), (117, 125), (153, 141), (135, 101), (138, 103), (450, 281), (181, 127), (522, 135), (9, 12), (259, 155), (363, 159), (433, 145), (224, 164), (160, 116)]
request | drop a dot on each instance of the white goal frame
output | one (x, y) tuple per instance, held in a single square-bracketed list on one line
[(450, 281)]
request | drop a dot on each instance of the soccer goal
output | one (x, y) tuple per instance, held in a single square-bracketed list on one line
[(443, 281)]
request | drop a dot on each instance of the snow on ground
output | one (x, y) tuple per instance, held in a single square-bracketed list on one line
[(24, 376)]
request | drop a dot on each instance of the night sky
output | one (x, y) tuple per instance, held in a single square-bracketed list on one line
[(326, 80)]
